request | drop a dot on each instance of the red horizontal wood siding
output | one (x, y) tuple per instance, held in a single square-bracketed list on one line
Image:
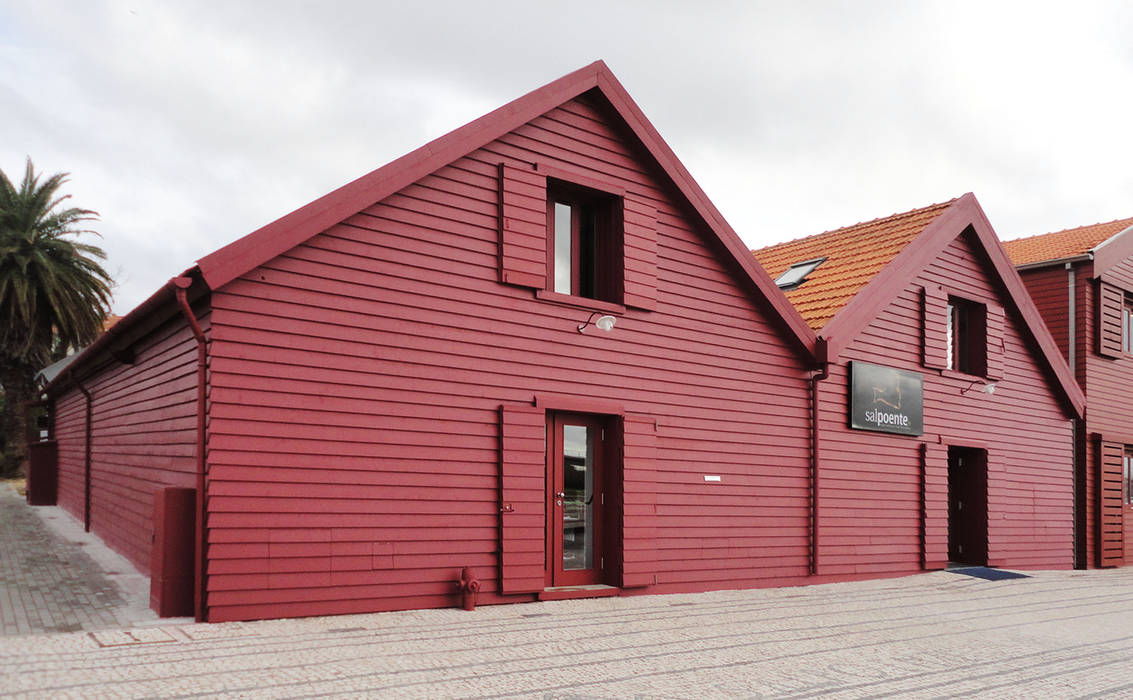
[(871, 486), (357, 382), (143, 435)]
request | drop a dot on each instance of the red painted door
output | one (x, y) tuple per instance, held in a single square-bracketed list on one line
[(575, 500)]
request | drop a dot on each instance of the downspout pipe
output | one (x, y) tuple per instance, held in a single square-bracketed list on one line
[(86, 454), (180, 288), (823, 372)]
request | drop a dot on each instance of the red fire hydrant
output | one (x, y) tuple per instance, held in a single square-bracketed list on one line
[(469, 586)]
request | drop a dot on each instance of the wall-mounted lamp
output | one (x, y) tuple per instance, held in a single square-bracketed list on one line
[(604, 322), (987, 388)]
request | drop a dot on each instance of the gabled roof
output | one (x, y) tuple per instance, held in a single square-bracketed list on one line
[(1063, 246), (854, 255), (260, 246), (877, 259)]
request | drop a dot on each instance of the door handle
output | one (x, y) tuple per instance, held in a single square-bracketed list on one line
[(560, 494)]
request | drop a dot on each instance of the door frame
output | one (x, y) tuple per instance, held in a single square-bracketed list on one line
[(975, 522), (604, 512)]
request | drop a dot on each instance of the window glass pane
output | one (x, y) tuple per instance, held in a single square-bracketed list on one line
[(578, 501), (562, 247)]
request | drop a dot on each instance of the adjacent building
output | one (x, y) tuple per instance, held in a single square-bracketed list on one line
[(1081, 280), (945, 426)]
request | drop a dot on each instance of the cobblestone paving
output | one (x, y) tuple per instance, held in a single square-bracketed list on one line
[(1055, 635), (54, 577)]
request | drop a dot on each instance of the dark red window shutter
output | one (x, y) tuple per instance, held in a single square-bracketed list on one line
[(639, 514), (1111, 534), (934, 506), (996, 343), (523, 431), (640, 253), (934, 319), (1111, 307), (523, 227)]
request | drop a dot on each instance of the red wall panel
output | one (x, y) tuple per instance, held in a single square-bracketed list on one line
[(357, 379), (143, 435), (870, 494)]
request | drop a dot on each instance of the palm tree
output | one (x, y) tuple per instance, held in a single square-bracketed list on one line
[(54, 294)]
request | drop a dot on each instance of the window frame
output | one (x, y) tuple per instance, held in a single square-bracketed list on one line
[(966, 336), (597, 240), (1127, 325)]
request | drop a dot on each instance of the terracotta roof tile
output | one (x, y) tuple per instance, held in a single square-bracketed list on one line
[(854, 256), (1063, 244)]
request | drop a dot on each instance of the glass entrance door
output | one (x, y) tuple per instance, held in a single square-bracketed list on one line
[(575, 500)]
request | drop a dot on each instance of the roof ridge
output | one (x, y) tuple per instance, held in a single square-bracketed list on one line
[(1068, 230), (870, 222)]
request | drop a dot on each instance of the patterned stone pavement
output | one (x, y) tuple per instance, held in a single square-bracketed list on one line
[(1065, 634), (54, 577)]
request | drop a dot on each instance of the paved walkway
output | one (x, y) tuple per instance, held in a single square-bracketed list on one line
[(1054, 635), (54, 577)]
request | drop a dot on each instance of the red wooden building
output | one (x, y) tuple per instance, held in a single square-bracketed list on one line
[(945, 425), (533, 351), (1081, 280), (417, 374)]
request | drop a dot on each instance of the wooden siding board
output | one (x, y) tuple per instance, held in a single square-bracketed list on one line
[(369, 325), (143, 437)]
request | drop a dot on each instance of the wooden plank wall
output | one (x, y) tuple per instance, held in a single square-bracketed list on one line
[(357, 382), (144, 431), (871, 482), (1108, 390)]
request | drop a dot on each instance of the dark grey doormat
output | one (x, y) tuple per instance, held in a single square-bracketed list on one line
[(986, 573)]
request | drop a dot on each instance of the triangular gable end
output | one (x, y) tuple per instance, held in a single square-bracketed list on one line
[(260, 246), (964, 214), (1113, 251)]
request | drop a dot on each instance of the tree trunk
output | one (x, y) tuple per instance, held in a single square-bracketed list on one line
[(18, 382)]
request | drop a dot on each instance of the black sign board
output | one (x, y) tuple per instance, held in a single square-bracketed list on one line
[(886, 400)]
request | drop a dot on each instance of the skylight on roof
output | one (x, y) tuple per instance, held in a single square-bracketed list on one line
[(796, 274)]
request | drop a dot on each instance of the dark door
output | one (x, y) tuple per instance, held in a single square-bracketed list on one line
[(575, 500), (967, 506)]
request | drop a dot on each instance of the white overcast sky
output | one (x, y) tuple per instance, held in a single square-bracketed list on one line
[(189, 124)]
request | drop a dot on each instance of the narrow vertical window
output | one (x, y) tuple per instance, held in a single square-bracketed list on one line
[(1127, 476), (563, 237), (1127, 326), (584, 249), (967, 336)]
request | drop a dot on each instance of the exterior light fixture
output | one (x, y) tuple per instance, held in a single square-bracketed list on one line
[(603, 322), (987, 388)]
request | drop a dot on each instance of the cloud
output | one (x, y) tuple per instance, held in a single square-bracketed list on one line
[(189, 124)]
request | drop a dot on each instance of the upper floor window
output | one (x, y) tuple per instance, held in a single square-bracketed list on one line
[(1127, 475), (1127, 326), (584, 252), (967, 336)]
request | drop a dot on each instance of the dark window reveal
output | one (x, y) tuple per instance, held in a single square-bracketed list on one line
[(1127, 326), (584, 255), (1127, 475), (967, 336)]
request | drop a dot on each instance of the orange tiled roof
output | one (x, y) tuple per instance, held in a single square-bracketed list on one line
[(855, 255), (1063, 244)]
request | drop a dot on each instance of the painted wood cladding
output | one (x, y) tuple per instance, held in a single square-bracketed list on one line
[(357, 382), (1111, 541), (1104, 378), (142, 438), (934, 525), (1111, 305), (523, 502), (934, 338), (523, 227), (873, 518)]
